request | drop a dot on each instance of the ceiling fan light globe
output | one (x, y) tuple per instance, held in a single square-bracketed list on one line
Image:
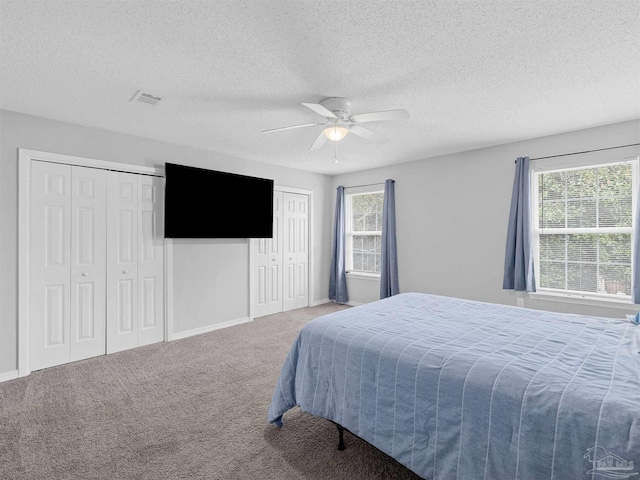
[(336, 132)]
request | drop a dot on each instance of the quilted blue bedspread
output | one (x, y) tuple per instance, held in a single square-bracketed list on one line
[(458, 389)]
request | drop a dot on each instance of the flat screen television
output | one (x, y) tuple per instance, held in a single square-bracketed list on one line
[(202, 203)]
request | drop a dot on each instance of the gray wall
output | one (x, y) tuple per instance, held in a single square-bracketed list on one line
[(210, 276), (451, 217), (452, 214)]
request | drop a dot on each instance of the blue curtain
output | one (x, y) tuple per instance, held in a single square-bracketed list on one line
[(389, 275), (338, 279), (635, 282), (518, 259)]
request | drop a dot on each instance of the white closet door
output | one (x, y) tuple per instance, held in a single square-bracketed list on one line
[(260, 266), (274, 272), (267, 266), (302, 251), (122, 261), (281, 264), (49, 264), (88, 262), (290, 252), (150, 259)]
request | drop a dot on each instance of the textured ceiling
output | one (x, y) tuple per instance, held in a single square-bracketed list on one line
[(470, 73)]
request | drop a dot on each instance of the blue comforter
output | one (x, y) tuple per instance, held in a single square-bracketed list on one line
[(460, 389)]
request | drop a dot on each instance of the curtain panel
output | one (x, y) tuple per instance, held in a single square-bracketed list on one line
[(389, 284), (338, 278), (518, 261)]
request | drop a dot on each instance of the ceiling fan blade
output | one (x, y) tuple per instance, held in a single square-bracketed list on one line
[(368, 134), (319, 141), (316, 107), (379, 116), (292, 126)]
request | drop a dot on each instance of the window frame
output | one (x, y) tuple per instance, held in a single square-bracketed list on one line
[(562, 164), (349, 192)]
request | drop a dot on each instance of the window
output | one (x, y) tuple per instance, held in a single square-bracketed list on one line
[(364, 231), (583, 221)]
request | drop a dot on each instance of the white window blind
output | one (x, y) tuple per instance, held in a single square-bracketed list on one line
[(583, 229), (364, 232)]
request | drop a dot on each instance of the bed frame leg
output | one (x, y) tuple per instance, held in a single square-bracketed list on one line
[(341, 437)]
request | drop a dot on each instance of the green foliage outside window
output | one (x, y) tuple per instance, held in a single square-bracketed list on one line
[(366, 217), (599, 197)]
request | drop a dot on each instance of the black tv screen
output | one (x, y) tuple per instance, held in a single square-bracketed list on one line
[(202, 203)]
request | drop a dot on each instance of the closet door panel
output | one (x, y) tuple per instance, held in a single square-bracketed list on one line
[(49, 265), (260, 290), (88, 262), (267, 266), (274, 273), (122, 261), (302, 251), (290, 249), (150, 304)]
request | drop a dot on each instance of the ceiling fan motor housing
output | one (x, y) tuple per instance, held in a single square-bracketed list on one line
[(341, 107)]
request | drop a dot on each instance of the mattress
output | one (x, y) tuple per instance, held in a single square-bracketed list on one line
[(455, 388)]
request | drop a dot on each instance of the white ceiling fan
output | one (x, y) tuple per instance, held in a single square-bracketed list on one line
[(339, 121)]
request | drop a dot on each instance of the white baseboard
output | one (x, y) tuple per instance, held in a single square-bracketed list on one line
[(8, 375), (209, 328), (315, 303), (354, 304)]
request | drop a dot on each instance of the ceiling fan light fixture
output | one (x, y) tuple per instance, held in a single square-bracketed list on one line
[(338, 121), (336, 132)]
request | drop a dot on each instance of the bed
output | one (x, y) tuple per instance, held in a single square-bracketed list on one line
[(462, 389)]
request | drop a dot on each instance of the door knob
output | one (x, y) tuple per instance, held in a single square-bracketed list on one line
[(125, 271), (85, 274)]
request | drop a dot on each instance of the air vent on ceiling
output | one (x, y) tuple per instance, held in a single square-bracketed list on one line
[(146, 99)]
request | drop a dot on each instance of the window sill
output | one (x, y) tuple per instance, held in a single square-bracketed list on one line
[(364, 276), (620, 304)]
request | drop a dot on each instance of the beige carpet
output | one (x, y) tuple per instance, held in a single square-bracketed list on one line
[(193, 408)]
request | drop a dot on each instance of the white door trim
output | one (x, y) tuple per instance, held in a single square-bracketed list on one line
[(25, 157), (301, 191)]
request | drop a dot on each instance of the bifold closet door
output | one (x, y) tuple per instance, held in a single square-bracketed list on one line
[(296, 251), (135, 261), (281, 264), (122, 264), (267, 254), (88, 262), (66, 263), (150, 301), (302, 251)]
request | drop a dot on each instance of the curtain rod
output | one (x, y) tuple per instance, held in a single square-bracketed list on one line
[(366, 185), (586, 151)]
